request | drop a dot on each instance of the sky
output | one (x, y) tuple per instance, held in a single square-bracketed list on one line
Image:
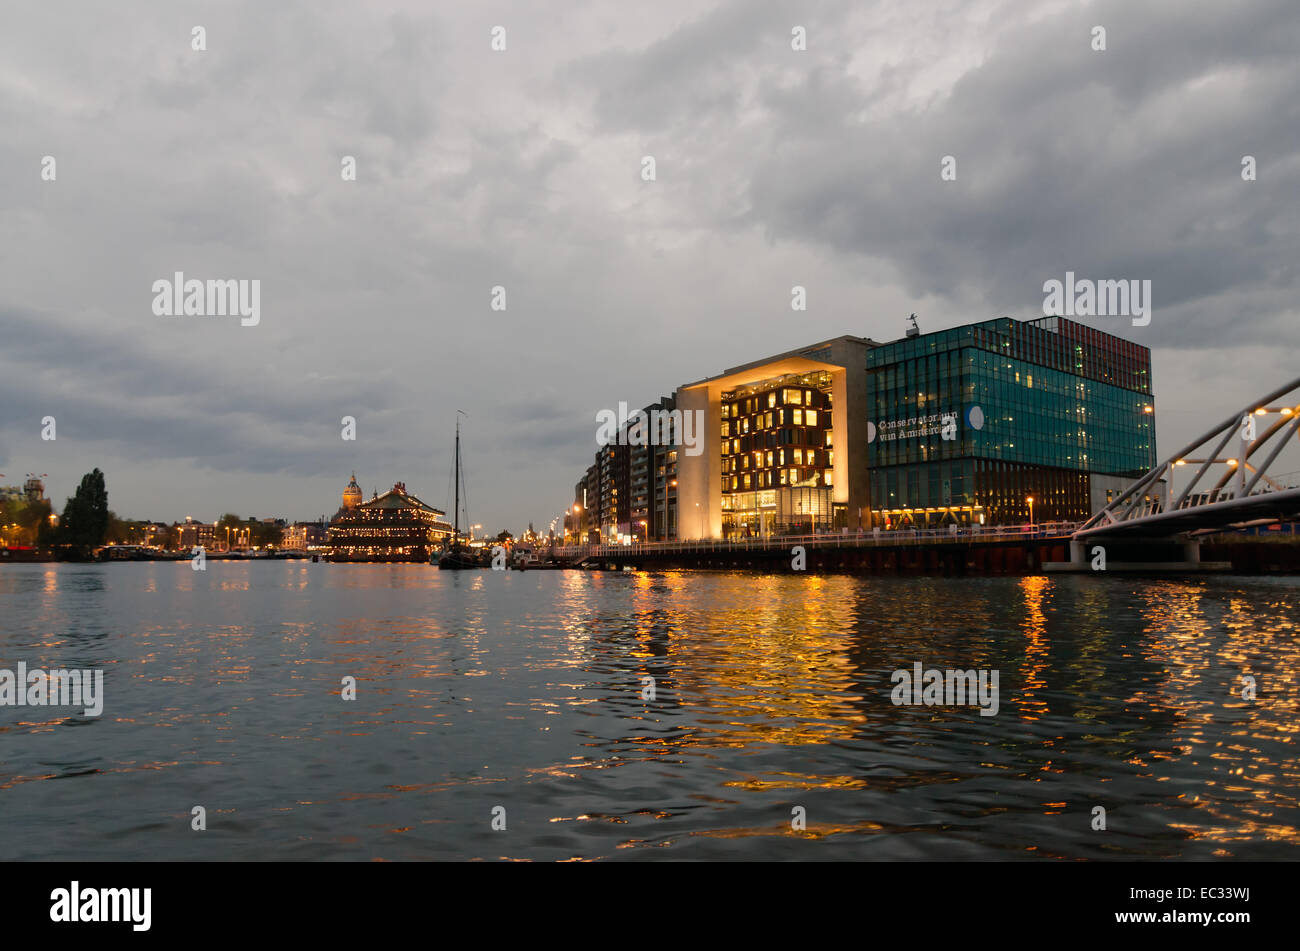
[(522, 168)]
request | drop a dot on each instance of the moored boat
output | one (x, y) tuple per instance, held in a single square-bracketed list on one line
[(456, 557)]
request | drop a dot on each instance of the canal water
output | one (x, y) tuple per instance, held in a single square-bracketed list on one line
[(585, 715)]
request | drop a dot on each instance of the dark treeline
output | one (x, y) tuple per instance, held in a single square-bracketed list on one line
[(83, 527)]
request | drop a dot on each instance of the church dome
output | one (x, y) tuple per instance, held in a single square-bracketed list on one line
[(352, 494)]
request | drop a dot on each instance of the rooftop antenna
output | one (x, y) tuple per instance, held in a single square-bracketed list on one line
[(914, 330)]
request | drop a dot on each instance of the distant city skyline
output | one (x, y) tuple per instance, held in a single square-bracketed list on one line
[(522, 170)]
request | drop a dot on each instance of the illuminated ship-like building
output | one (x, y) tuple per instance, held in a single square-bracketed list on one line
[(395, 526)]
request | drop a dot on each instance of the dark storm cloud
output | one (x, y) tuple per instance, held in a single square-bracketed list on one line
[(163, 406), (521, 169), (1111, 164)]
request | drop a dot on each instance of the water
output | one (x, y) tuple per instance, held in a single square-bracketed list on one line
[(524, 691)]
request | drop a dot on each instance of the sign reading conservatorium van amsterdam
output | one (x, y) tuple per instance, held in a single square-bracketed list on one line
[(936, 424)]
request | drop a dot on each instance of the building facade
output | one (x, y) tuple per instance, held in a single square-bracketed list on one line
[(301, 536), (394, 526), (999, 422), (782, 448), (1006, 422), (629, 493)]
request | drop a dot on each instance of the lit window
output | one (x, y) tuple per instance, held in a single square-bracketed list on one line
[(810, 417)]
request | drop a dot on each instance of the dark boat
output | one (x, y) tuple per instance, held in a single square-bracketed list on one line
[(457, 557)]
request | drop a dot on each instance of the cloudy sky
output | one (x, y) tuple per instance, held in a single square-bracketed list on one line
[(522, 168)]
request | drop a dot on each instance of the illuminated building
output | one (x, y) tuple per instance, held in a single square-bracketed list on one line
[(969, 424), (395, 526), (630, 490), (191, 534), (303, 535), (998, 423), (783, 445), (352, 494)]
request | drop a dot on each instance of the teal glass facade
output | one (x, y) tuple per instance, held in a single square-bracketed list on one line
[(976, 420)]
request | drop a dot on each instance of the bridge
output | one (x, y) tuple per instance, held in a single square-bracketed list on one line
[(1230, 488)]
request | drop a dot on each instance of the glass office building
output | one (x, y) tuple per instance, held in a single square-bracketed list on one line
[(1005, 421)]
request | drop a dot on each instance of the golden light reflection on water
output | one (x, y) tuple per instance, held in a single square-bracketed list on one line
[(529, 688)]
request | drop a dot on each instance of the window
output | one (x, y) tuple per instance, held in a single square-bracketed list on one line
[(810, 417), (798, 417)]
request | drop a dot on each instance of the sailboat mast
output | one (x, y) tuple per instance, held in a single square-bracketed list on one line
[(456, 477)]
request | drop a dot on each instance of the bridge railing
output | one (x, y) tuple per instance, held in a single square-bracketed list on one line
[(870, 538), (1229, 463)]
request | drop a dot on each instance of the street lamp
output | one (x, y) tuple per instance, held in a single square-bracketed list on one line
[(1030, 500)]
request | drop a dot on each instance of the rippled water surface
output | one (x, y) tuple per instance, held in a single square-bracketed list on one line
[(525, 691)]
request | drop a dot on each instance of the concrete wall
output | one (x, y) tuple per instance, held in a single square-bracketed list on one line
[(698, 492)]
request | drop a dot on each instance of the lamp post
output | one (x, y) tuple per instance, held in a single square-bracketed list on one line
[(1030, 500)]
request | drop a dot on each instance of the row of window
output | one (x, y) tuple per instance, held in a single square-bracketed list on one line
[(797, 416), (771, 478)]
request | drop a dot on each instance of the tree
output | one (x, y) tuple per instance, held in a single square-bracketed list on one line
[(22, 521), (84, 525)]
